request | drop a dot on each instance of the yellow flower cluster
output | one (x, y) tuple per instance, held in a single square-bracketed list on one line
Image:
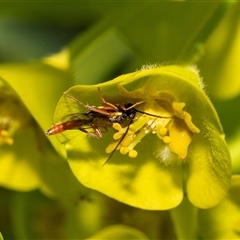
[(162, 117)]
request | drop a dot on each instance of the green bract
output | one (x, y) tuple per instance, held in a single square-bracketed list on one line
[(179, 148), (27, 160), (224, 218)]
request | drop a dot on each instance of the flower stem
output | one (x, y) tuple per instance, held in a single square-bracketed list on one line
[(185, 221)]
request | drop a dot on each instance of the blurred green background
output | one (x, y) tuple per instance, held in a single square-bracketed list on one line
[(103, 39)]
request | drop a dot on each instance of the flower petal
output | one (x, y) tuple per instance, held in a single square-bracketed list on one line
[(139, 182), (209, 169), (153, 179)]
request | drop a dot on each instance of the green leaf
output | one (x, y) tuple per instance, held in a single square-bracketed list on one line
[(104, 53), (146, 181), (220, 66), (184, 218), (233, 144), (157, 42)]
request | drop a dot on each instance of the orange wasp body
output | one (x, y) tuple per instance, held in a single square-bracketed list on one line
[(96, 119)]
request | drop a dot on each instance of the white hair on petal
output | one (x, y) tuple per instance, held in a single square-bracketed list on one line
[(164, 154), (149, 66), (195, 69)]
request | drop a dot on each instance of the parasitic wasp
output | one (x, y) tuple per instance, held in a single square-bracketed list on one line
[(98, 119)]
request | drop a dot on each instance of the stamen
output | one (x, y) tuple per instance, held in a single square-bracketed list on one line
[(117, 126), (111, 147), (117, 135), (132, 153), (5, 137), (172, 125), (124, 150), (166, 139), (163, 131)]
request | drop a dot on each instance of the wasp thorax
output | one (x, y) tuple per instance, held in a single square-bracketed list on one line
[(164, 118)]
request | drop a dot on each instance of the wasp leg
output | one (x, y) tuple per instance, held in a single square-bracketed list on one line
[(105, 102), (97, 133), (134, 105), (101, 110), (105, 129)]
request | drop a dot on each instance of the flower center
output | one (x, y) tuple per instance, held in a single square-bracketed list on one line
[(5, 136), (13, 115), (165, 118)]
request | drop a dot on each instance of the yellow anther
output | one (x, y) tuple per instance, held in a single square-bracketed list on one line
[(166, 139), (132, 153), (124, 150), (9, 141), (117, 126), (111, 147), (5, 137), (117, 135), (132, 128), (4, 133), (167, 119), (163, 131), (127, 140)]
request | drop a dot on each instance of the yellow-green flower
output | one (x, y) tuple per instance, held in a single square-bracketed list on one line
[(13, 115), (174, 145), (164, 117)]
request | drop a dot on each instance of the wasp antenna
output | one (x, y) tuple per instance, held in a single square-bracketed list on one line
[(101, 96), (104, 101), (153, 115), (114, 150)]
